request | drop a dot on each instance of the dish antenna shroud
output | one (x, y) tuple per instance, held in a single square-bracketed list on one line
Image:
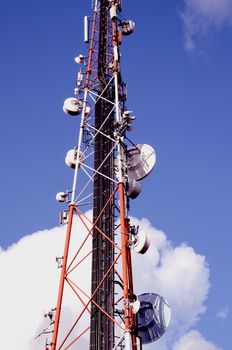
[(141, 160), (153, 317)]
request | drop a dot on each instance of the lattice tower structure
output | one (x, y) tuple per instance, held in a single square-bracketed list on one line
[(102, 330), (100, 155)]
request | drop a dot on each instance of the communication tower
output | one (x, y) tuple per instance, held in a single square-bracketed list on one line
[(107, 168)]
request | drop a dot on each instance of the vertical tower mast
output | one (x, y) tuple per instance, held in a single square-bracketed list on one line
[(102, 330), (110, 167)]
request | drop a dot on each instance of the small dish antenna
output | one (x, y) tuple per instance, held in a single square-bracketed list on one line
[(140, 162), (72, 106), (141, 243), (153, 317), (71, 158), (61, 197), (128, 27), (135, 306), (79, 59)]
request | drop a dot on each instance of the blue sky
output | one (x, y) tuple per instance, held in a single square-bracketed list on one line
[(178, 69)]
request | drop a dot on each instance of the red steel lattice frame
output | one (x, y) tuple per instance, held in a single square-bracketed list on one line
[(126, 277), (124, 252)]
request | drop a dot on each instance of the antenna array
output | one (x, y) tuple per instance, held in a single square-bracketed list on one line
[(96, 267)]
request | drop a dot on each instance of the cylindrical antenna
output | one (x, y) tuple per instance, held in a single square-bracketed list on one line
[(86, 29)]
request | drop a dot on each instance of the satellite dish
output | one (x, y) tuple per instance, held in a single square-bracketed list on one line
[(61, 197), (134, 189), (140, 161), (142, 242), (153, 317), (79, 59), (71, 158), (72, 106), (135, 306), (128, 27)]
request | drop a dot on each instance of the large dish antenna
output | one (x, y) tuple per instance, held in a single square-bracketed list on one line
[(153, 317), (141, 160)]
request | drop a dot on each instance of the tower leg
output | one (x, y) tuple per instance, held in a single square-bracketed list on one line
[(62, 278)]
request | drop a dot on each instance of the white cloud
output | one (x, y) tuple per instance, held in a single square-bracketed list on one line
[(30, 287), (179, 274), (30, 281), (201, 15), (193, 340), (31, 284), (223, 313)]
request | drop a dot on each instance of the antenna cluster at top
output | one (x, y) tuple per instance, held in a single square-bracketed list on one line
[(139, 158)]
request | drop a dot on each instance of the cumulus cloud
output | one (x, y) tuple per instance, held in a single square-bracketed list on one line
[(199, 16), (31, 278), (31, 283), (179, 274), (193, 340)]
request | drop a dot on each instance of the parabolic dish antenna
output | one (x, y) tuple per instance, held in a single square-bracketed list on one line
[(140, 162), (71, 158), (72, 106), (153, 317)]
